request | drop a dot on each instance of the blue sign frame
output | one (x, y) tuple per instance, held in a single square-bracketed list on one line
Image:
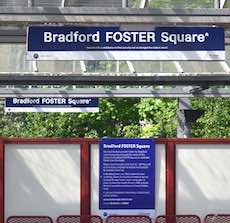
[(51, 104), (127, 174), (113, 43)]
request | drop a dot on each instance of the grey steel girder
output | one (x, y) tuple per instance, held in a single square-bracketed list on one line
[(38, 78), (115, 16), (188, 91)]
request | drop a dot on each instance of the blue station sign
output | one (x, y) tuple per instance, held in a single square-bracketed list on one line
[(127, 174), (51, 104), (112, 43)]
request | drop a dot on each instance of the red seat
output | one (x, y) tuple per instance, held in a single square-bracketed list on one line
[(29, 219), (178, 219), (217, 218), (79, 219), (128, 219)]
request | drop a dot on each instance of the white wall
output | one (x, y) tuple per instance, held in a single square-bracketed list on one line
[(42, 179), (160, 180), (203, 179)]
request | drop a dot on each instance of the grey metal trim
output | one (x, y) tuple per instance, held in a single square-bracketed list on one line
[(105, 93), (82, 15), (111, 11), (204, 80)]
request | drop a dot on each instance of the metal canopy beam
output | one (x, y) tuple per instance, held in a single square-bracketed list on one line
[(39, 15), (105, 93), (204, 80)]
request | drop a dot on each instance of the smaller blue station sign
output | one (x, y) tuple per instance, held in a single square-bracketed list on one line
[(51, 104)]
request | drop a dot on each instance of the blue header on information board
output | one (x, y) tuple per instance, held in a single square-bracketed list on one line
[(127, 174), (67, 38)]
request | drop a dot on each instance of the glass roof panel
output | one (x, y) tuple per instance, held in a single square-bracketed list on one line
[(154, 67), (15, 61), (113, 3), (58, 3), (94, 3), (45, 3), (227, 4), (13, 58), (190, 4), (59, 66)]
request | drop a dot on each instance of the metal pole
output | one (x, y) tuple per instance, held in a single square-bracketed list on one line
[(184, 128), (30, 3), (143, 4), (216, 4), (124, 3)]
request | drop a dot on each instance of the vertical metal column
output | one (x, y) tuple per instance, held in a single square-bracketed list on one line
[(170, 201), (85, 179), (124, 3), (30, 3), (216, 4), (184, 128), (2, 181)]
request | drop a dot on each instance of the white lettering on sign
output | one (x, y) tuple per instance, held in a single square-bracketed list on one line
[(53, 101), (22, 101), (130, 37), (49, 37), (183, 37), (71, 37)]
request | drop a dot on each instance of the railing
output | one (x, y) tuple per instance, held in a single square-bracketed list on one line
[(29, 219), (128, 219), (79, 219), (217, 218), (210, 218), (178, 219)]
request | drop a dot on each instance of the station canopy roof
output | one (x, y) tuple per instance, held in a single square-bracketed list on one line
[(13, 55)]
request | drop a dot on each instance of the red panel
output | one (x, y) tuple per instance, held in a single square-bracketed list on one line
[(170, 179), (128, 219), (63, 140), (49, 140), (200, 141), (85, 179), (85, 165), (1, 181)]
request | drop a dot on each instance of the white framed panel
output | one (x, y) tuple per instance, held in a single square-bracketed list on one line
[(159, 181), (203, 179), (42, 179)]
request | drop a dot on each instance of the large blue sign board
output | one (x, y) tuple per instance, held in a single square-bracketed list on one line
[(114, 43), (127, 174), (51, 104)]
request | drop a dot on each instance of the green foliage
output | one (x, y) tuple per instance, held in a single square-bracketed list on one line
[(216, 120), (120, 117), (159, 117), (114, 115)]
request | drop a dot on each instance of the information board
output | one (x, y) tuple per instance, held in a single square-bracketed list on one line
[(51, 104), (127, 174), (113, 43)]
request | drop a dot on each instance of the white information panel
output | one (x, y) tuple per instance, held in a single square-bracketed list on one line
[(42, 179), (203, 179)]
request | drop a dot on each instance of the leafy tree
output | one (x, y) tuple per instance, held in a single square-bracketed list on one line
[(216, 119), (120, 117), (159, 117)]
